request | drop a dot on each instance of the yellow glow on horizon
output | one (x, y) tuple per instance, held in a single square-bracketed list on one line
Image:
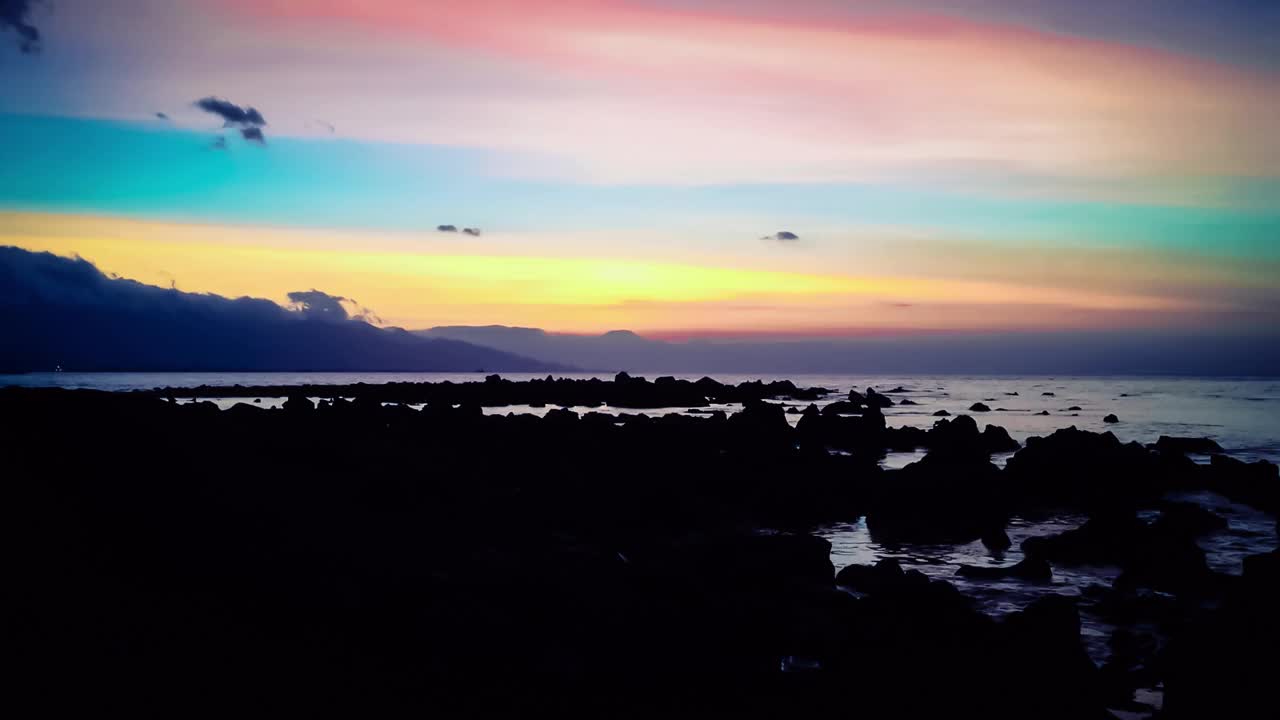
[(417, 289)]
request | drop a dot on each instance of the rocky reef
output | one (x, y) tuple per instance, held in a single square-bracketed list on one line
[(364, 553)]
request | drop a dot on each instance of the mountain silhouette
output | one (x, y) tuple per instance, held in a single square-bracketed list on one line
[(58, 311)]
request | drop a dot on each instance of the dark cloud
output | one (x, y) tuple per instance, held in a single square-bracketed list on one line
[(245, 119), (446, 228), (473, 232), (64, 311), (16, 15), (232, 115), (782, 235), (162, 116)]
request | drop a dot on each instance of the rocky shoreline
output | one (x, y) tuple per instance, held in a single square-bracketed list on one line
[(361, 550)]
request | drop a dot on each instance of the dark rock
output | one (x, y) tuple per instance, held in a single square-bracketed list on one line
[(942, 413), (1188, 519), (1084, 470), (907, 401), (979, 407), (1043, 412), (997, 540), (1031, 569), (1159, 557), (1184, 445), (1073, 408), (1223, 664), (843, 407), (298, 404), (875, 399), (1048, 394), (995, 439), (876, 578), (1256, 483), (950, 495), (1111, 419)]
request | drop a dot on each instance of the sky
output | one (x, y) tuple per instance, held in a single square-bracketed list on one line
[(680, 168)]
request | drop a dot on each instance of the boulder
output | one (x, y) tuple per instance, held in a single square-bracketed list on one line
[(875, 399), (1031, 569), (1184, 445)]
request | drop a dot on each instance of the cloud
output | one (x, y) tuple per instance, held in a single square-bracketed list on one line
[(64, 311), (245, 119), (162, 116), (473, 232), (316, 304), (15, 14), (446, 228), (233, 115), (782, 236), (319, 305)]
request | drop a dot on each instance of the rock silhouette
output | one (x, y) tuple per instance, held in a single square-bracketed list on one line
[(392, 547)]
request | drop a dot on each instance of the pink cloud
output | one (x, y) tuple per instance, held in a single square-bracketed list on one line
[(626, 91)]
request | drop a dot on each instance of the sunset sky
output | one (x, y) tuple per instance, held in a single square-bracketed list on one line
[(681, 168)]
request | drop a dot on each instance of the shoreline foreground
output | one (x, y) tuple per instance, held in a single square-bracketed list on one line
[(364, 553)]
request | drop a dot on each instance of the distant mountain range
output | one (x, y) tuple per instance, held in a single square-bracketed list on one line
[(57, 311), (1116, 352)]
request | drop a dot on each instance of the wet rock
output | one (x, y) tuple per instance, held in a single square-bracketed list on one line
[(1043, 412), (843, 407), (995, 439), (1256, 483), (1105, 539), (1048, 394), (1184, 445), (875, 399), (948, 496), (1159, 557), (1085, 470), (1223, 664), (996, 540), (877, 578), (979, 407), (907, 401), (1074, 408), (1110, 419), (298, 404), (1031, 569), (1188, 519), (942, 413)]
